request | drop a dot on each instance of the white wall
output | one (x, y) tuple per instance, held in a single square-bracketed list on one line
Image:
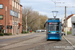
[(69, 23), (62, 20)]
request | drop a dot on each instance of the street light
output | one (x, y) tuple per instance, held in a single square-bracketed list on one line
[(54, 13), (6, 19), (26, 22)]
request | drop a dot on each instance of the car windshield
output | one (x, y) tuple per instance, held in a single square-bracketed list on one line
[(53, 27)]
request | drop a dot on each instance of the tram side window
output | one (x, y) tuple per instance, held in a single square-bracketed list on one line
[(57, 28), (73, 25)]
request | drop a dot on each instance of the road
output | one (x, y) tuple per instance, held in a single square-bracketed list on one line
[(36, 41)]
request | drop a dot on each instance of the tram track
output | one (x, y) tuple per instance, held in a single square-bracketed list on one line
[(18, 41), (43, 43), (51, 43), (11, 41), (37, 43), (28, 44)]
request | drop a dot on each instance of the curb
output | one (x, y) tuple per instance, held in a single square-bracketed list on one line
[(69, 42)]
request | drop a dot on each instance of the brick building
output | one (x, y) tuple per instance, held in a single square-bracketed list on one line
[(14, 16)]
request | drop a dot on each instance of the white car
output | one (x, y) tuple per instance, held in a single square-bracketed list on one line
[(40, 31)]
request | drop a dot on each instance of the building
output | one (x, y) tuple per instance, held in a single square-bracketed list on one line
[(73, 24), (14, 16), (69, 23)]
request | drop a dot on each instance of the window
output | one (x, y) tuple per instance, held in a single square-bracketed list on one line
[(1, 17), (1, 6), (53, 27), (73, 25)]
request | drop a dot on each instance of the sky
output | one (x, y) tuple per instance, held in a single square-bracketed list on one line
[(45, 7)]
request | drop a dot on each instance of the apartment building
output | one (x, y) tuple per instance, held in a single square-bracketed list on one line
[(13, 22)]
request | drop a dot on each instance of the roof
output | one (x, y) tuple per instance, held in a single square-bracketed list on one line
[(70, 16)]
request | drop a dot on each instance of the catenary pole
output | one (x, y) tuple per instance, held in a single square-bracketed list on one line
[(65, 22)]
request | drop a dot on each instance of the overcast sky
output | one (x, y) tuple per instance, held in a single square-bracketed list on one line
[(45, 7)]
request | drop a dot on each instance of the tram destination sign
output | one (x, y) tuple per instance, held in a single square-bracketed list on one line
[(52, 23)]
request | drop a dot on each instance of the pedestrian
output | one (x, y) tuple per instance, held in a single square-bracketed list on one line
[(31, 31)]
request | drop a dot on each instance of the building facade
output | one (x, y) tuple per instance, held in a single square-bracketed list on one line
[(13, 22), (69, 23), (73, 24)]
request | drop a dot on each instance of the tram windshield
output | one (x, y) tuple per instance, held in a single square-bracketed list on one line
[(53, 27)]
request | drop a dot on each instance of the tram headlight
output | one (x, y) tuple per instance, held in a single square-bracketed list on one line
[(49, 32)]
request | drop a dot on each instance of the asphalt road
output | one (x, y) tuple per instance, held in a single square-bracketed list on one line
[(36, 41)]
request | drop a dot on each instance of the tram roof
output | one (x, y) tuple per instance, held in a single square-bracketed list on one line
[(53, 18), (56, 20)]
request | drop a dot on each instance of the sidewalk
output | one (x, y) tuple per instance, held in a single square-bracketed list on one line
[(12, 36), (71, 39)]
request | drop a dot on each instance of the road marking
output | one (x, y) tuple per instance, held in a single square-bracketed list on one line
[(69, 42)]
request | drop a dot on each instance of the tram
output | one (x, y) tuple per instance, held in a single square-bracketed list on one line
[(54, 30)]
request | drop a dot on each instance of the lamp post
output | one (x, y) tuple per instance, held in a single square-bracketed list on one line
[(6, 19), (9, 16), (26, 22)]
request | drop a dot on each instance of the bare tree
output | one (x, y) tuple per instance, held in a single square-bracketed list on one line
[(33, 19)]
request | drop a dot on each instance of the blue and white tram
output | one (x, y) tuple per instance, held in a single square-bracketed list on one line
[(53, 29)]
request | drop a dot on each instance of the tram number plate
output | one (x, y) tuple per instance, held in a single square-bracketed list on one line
[(53, 32)]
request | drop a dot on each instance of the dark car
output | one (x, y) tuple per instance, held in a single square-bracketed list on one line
[(62, 33)]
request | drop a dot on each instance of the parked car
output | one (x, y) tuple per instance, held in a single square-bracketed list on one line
[(40, 31), (43, 30), (62, 33)]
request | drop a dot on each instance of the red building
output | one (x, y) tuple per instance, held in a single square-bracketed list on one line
[(13, 22)]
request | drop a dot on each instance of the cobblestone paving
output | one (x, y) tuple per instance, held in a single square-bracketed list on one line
[(57, 45)]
